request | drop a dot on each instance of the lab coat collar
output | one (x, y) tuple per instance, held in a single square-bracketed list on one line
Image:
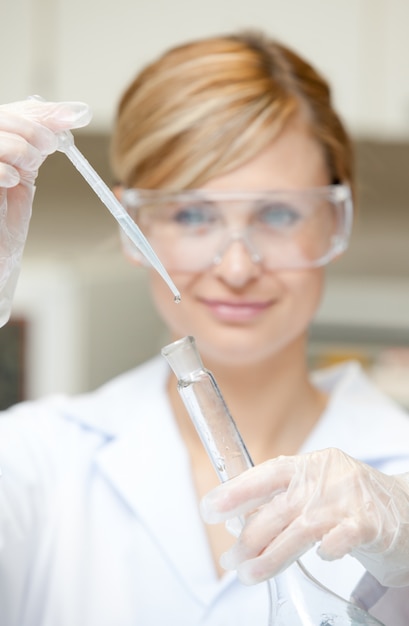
[(109, 409), (359, 419)]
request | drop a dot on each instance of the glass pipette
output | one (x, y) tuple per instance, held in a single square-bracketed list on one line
[(66, 145)]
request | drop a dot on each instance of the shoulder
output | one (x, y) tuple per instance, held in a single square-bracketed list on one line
[(42, 440), (347, 384), (360, 419)]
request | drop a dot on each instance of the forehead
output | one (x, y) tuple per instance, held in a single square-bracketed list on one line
[(294, 160)]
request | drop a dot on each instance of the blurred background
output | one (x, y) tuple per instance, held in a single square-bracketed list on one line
[(81, 313)]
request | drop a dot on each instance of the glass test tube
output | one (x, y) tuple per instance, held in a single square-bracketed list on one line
[(301, 600)]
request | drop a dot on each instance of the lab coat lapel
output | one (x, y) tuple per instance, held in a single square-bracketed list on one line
[(359, 419), (149, 467)]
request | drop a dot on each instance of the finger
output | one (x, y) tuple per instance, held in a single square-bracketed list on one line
[(19, 153), (247, 491), (294, 541), (260, 530), (34, 133), (55, 115), (9, 176), (350, 534), (275, 559), (267, 565)]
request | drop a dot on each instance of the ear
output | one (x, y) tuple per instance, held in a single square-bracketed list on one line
[(129, 249)]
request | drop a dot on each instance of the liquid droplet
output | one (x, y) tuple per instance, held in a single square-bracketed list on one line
[(177, 299)]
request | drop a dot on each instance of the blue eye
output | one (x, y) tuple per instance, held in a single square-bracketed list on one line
[(194, 216), (278, 216)]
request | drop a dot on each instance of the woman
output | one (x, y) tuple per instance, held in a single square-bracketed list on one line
[(229, 155)]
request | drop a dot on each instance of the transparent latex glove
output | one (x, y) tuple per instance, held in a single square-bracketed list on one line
[(27, 136), (291, 503)]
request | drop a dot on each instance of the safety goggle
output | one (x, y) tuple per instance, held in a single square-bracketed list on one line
[(281, 229)]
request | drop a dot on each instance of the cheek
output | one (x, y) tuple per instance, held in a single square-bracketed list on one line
[(307, 289)]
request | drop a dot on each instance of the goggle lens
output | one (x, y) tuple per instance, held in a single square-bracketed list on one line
[(192, 230)]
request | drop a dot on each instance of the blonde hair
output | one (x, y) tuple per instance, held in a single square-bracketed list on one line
[(206, 107)]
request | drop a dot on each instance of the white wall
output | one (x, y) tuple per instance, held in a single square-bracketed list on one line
[(88, 51)]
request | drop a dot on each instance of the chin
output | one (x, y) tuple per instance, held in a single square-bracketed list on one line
[(235, 354)]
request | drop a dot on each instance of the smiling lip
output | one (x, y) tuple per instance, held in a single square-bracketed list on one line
[(236, 311)]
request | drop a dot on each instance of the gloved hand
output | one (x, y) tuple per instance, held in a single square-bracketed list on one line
[(27, 136), (291, 503)]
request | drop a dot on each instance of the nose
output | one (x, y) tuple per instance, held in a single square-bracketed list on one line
[(237, 264)]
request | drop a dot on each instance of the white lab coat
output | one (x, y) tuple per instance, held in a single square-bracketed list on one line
[(99, 522)]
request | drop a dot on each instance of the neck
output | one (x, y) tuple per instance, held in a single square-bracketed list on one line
[(273, 403)]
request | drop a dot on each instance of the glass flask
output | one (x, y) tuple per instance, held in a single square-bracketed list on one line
[(299, 599)]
